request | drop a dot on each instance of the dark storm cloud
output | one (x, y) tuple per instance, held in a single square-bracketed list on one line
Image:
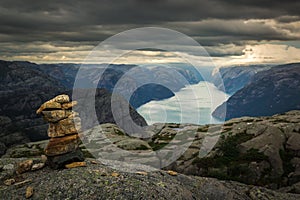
[(213, 32), (74, 12), (288, 19), (21, 17), (210, 22)]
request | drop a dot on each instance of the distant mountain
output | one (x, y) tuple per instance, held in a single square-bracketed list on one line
[(64, 73), (269, 92), (232, 79), (147, 82), (23, 88)]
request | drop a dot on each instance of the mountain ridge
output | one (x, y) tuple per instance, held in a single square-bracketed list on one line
[(269, 92), (23, 88)]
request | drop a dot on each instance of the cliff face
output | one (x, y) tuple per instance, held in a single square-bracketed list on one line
[(235, 78), (269, 92), (23, 88)]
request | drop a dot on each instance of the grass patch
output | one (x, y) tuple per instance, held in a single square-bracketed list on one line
[(142, 147), (228, 157), (157, 146)]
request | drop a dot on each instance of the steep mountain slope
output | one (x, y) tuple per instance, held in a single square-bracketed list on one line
[(235, 78), (23, 88), (269, 92)]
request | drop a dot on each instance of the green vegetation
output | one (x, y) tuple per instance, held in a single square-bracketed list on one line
[(142, 147), (165, 138), (157, 146), (203, 129), (286, 157), (254, 155), (229, 163), (119, 132)]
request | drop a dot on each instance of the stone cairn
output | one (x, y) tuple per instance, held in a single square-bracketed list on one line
[(64, 124)]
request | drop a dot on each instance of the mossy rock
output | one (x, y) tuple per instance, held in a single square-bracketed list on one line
[(228, 156), (133, 144)]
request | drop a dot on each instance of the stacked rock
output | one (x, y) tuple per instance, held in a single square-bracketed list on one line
[(64, 124)]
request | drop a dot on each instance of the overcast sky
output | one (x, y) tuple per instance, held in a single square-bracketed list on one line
[(232, 31)]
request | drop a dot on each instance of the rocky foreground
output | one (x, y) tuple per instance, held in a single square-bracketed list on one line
[(96, 181), (259, 153)]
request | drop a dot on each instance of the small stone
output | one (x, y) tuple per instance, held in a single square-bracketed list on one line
[(22, 182), (24, 166), (56, 115), (115, 174), (8, 167), (172, 173), (142, 173), (62, 145), (49, 105), (101, 172), (29, 192), (63, 98), (52, 131), (75, 164), (69, 105), (94, 162), (64, 127), (37, 166), (44, 158), (9, 181)]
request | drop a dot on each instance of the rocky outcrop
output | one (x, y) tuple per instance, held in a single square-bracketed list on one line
[(97, 181), (260, 151), (268, 93)]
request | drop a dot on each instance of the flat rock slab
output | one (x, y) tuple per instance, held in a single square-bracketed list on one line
[(62, 145), (75, 164), (56, 115), (69, 105), (97, 181), (49, 105), (70, 125)]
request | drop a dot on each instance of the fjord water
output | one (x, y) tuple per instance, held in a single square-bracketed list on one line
[(192, 104)]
